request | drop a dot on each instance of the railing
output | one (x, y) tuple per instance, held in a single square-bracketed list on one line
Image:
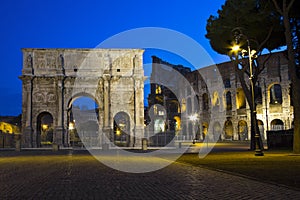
[(277, 127)]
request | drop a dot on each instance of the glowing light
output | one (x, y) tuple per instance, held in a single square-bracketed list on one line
[(193, 117), (235, 48), (45, 126), (71, 126)]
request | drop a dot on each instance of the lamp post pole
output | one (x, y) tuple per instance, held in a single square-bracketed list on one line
[(258, 147)]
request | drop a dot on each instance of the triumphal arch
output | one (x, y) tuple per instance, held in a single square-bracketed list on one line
[(54, 78)]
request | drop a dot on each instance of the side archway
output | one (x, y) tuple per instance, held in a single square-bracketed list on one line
[(261, 129), (121, 129), (277, 125), (242, 130), (204, 129), (217, 131), (44, 136), (177, 125), (228, 129)]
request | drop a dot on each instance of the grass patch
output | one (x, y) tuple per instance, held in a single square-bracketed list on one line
[(275, 166)]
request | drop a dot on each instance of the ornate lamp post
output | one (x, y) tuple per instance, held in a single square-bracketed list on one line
[(251, 54)]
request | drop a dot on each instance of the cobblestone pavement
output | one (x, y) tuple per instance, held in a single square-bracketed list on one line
[(80, 176)]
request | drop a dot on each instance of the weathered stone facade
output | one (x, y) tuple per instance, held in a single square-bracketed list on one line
[(223, 110), (54, 78), (272, 97), (174, 99)]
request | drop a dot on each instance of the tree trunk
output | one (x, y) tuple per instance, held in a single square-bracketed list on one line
[(253, 118), (255, 129), (295, 80), (296, 143)]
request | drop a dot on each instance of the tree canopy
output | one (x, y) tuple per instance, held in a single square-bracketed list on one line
[(257, 19), (266, 24)]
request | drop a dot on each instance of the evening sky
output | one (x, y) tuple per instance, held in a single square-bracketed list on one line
[(85, 24)]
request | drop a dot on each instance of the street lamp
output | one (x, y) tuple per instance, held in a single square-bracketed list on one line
[(251, 55)]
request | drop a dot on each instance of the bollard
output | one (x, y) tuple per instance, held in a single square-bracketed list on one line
[(55, 147), (144, 144), (18, 145), (18, 142)]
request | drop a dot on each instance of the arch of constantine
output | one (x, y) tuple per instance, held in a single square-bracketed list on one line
[(54, 78)]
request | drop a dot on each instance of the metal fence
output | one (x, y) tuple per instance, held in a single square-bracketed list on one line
[(280, 139), (162, 139)]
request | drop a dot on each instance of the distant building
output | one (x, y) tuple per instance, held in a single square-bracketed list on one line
[(218, 104), (162, 101), (9, 128)]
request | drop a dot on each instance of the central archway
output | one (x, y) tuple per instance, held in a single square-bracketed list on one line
[(83, 121)]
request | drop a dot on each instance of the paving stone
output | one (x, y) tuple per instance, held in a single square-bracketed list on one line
[(82, 177)]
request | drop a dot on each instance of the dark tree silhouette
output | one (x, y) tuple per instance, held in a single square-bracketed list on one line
[(253, 23)]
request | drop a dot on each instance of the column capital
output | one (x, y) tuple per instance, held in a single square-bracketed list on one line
[(106, 77)]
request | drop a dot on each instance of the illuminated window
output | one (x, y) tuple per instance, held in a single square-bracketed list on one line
[(158, 89), (204, 129), (161, 113), (155, 109), (215, 100), (240, 99), (159, 126), (183, 105), (291, 94)]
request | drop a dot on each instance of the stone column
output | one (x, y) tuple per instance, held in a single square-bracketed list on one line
[(100, 128), (66, 135), (27, 113), (107, 135), (138, 130), (59, 131)]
